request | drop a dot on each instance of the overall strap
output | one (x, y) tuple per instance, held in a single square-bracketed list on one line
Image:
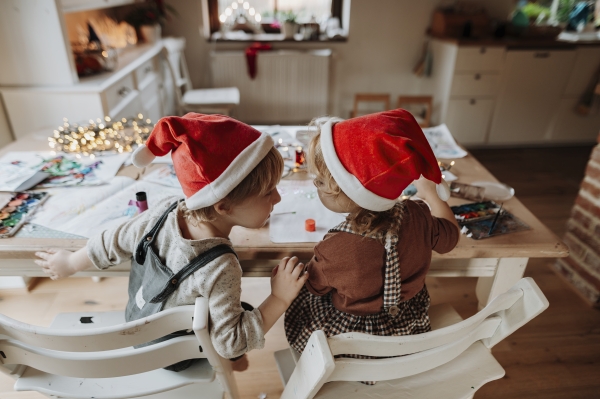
[(197, 263), (149, 237)]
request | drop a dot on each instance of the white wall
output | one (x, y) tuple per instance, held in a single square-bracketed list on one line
[(385, 42)]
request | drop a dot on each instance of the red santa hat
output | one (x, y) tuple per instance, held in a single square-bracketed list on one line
[(373, 158), (211, 154)]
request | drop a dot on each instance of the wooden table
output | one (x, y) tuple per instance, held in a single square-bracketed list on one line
[(497, 262)]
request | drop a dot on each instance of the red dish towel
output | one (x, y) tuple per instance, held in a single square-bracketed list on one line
[(251, 56)]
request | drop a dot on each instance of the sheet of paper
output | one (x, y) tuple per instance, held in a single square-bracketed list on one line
[(66, 203), (63, 169), (164, 175), (299, 201), (114, 210), (16, 168), (442, 142)]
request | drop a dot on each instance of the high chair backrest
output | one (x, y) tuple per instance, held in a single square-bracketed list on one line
[(175, 47), (106, 352), (414, 353)]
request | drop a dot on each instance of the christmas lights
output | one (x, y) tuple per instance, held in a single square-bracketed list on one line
[(101, 136)]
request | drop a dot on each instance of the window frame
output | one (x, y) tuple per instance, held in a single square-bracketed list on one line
[(211, 23)]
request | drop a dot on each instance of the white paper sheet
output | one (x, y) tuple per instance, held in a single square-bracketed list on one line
[(114, 210), (300, 196), (66, 203), (165, 175), (442, 142)]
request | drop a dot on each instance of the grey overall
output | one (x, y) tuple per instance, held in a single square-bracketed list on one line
[(151, 282)]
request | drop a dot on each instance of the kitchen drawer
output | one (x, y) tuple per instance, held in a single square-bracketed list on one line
[(150, 93), (153, 110), (118, 92), (145, 73), (469, 119), (475, 84), (131, 108), (479, 59)]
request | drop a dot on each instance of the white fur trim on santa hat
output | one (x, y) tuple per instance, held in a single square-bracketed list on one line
[(349, 184), (142, 156), (237, 170)]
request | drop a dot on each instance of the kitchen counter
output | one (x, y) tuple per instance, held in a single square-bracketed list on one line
[(519, 43)]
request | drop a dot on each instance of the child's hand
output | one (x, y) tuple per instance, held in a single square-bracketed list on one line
[(287, 280), (56, 263), (426, 189)]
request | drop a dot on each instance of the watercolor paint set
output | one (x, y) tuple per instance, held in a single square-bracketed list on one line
[(486, 219), (475, 211), (16, 208)]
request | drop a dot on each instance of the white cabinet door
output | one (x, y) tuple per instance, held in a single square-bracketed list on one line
[(530, 95), (469, 119), (34, 48)]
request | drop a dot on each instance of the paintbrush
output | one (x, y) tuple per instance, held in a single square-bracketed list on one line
[(495, 220)]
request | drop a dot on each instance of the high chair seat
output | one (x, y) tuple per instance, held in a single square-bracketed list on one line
[(452, 361), (91, 355)]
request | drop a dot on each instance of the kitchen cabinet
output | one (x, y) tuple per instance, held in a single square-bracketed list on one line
[(38, 81), (531, 92), (494, 95), (467, 81)]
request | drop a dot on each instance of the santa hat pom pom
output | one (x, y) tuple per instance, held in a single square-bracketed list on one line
[(142, 156), (443, 191)]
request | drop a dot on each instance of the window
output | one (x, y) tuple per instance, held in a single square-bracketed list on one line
[(263, 19)]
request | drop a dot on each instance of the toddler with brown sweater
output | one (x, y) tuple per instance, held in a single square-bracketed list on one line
[(368, 273)]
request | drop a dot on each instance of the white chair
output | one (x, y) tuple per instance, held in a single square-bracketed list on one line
[(452, 361), (206, 101), (91, 356)]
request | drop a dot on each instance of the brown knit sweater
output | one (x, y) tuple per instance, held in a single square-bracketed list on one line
[(352, 266)]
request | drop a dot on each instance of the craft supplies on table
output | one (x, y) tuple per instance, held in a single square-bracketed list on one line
[(45, 169), (442, 142), (495, 191), (16, 208), (486, 219), (299, 202), (466, 191)]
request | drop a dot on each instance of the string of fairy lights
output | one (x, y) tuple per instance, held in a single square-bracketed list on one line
[(101, 136)]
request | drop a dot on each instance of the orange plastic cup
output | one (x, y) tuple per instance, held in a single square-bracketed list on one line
[(309, 225)]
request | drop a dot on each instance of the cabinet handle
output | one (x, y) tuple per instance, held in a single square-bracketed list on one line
[(123, 91), (472, 102), (542, 55), (477, 76), (482, 50)]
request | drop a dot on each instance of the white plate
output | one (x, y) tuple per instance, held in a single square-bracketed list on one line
[(495, 191)]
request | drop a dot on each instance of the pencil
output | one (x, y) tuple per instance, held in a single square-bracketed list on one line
[(495, 219)]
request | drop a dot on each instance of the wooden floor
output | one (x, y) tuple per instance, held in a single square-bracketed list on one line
[(557, 355)]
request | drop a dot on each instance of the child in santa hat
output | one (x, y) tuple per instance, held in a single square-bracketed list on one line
[(228, 172), (368, 273)]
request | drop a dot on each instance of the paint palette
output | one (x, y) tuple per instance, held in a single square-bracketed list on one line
[(16, 208), (475, 211)]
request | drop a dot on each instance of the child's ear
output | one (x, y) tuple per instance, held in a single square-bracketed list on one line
[(221, 208)]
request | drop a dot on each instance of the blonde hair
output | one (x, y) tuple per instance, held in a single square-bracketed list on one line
[(362, 221), (262, 179)]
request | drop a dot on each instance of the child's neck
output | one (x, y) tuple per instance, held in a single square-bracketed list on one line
[(215, 229)]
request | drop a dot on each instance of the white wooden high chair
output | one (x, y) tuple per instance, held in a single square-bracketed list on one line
[(206, 101), (91, 356), (451, 361)]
